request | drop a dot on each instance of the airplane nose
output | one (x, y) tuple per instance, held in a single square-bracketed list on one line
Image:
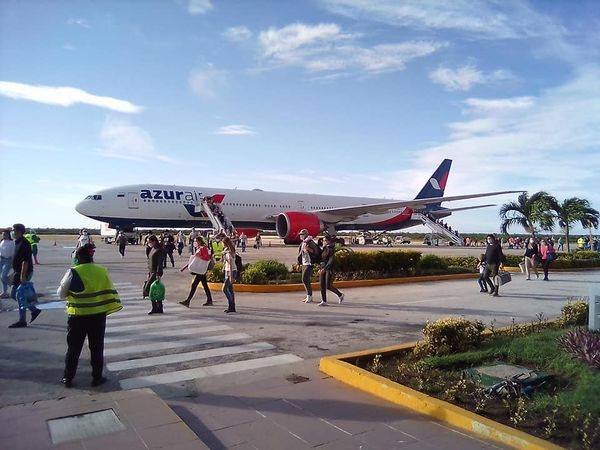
[(82, 207)]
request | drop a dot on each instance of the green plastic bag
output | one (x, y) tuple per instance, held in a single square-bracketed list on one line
[(157, 291)]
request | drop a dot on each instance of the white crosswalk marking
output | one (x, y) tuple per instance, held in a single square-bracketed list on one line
[(188, 356), (150, 326), (155, 346), (203, 372), (166, 333)]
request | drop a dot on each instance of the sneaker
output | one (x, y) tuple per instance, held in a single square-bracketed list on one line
[(34, 315), (528, 279), (341, 298), (67, 382), (151, 312), (228, 311), (185, 303), (99, 381), (18, 324), (308, 299), (482, 290), (5, 295), (323, 303), (207, 304)]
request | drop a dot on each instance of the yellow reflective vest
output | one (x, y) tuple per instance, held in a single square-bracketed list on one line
[(98, 296), (580, 243)]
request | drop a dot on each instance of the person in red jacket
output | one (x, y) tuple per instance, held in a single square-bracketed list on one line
[(198, 265)]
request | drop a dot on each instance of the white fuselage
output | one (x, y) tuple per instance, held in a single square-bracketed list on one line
[(166, 206)]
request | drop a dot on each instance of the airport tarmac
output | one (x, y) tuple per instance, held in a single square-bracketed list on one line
[(192, 352)]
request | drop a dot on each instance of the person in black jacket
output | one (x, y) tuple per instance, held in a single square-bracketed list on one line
[(155, 270), (493, 260), (326, 273)]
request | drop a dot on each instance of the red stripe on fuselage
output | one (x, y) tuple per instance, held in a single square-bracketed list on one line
[(402, 217), (218, 198)]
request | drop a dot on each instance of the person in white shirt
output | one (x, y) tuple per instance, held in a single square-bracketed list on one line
[(84, 238), (229, 269), (7, 251)]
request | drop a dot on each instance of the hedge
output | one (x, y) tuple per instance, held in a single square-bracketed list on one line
[(350, 265)]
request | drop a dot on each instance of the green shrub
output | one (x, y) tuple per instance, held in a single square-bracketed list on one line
[(216, 275), (432, 263), (586, 254), (513, 260), (382, 262), (468, 262), (575, 313), (273, 270), (254, 275), (449, 335)]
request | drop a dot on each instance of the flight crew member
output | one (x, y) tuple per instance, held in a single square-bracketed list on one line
[(90, 297)]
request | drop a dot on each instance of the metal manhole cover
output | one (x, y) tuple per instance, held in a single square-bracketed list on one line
[(84, 426)]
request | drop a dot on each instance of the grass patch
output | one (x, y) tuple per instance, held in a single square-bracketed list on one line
[(566, 412)]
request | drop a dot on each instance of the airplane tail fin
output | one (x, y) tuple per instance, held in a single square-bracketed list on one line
[(436, 184)]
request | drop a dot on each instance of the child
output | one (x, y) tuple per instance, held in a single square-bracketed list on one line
[(481, 266)]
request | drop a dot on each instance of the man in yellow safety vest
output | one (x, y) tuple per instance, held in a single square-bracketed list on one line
[(90, 297)]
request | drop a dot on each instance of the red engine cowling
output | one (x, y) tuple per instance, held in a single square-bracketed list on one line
[(289, 225)]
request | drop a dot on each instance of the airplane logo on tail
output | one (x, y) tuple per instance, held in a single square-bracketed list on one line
[(435, 184)]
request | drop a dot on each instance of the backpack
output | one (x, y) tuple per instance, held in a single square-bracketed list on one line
[(238, 263), (315, 257)]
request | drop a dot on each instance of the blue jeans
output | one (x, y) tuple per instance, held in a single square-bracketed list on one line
[(228, 291), (5, 266), (24, 304)]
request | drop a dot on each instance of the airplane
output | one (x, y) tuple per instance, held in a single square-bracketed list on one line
[(164, 206)]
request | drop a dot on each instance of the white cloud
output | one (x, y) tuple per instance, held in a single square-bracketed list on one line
[(196, 7), (465, 77), (486, 19), (325, 48), (78, 22), (236, 130), (482, 105), (122, 140), (237, 34), (64, 96), (548, 142), (207, 82)]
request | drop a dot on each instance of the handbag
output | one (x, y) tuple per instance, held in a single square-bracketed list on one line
[(502, 278), (197, 265)]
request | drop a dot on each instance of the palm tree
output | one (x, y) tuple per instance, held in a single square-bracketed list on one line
[(573, 210), (527, 211)]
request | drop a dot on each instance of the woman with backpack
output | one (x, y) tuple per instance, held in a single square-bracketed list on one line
[(230, 269), (309, 253), (197, 266), (326, 273)]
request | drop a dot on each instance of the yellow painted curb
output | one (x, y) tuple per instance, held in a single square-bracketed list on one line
[(364, 380), (297, 287), (573, 269)]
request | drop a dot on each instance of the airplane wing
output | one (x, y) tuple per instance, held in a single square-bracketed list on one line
[(465, 208), (335, 215)]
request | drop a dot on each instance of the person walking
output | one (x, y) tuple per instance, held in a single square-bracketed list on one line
[(493, 260), (530, 258), (258, 241), (230, 273), (180, 242), (548, 254), (197, 266), (191, 240), (121, 241), (326, 273), (561, 244), (7, 251), (481, 267), (22, 265), (84, 238), (307, 255), (90, 297), (34, 240), (243, 241), (155, 271), (169, 249)]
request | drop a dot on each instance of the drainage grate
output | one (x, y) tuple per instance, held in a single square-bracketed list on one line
[(83, 426)]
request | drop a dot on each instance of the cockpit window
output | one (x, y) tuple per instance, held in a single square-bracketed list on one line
[(94, 197)]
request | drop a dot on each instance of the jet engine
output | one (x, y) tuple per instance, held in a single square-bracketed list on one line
[(289, 225)]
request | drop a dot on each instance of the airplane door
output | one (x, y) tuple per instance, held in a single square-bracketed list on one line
[(133, 200), (301, 205)]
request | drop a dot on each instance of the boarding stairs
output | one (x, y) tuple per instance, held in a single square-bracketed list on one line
[(217, 224), (440, 230)]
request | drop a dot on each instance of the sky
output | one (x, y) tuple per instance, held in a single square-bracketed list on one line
[(348, 97)]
